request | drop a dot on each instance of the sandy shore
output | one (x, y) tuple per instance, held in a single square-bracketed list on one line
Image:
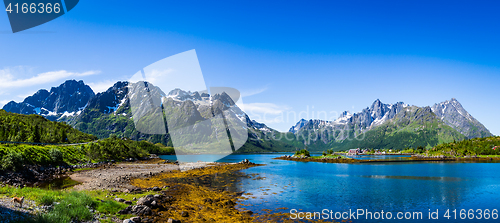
[(117, 176)]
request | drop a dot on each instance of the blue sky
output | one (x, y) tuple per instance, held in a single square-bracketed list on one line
[(286, 57)]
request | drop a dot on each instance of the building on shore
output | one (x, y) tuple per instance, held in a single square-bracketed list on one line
[(353, 152)]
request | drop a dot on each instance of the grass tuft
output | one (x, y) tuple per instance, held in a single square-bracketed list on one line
[(47, 199)]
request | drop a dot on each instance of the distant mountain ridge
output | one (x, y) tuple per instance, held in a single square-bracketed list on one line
[(69, 98), (451, 112), (109, 113), (368, 118), (392, 126), (383, 125)]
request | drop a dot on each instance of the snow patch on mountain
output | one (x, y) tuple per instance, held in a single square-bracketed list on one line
[(68, 114)]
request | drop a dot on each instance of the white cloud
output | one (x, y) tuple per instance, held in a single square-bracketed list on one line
[(268, 113), (253, 92), (264, 108), (25, 95), (3, 102), (155, 75), (101, 86), (8, 80), (268, 121)]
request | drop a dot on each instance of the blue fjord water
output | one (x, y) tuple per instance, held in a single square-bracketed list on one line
[(388, 186)]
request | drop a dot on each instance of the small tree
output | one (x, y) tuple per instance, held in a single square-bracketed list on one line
[(36, 134), (420, 149), (56, 155), (64, 136)]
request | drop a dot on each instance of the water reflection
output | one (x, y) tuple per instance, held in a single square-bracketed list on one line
[(59, 183), (411, 177), (313, 186)]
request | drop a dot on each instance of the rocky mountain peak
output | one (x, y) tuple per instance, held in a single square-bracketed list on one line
[(378, 109), (37, 98), (454, 115), (376, 103), (181, 95), (294, 129), (68, 98), (224, 98), (345, 114), (71, 96)]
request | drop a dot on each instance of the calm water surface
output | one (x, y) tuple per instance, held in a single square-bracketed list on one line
[(391, 187)]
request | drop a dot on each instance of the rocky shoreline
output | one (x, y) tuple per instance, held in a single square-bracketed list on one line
[(36, 174), (147, 203), (187, 201), (118, 176)]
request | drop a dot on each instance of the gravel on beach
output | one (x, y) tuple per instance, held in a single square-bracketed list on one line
[(117, 176), (12, 212)]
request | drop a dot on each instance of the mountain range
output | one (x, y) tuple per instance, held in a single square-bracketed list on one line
[(391, 126), (67, 99), (381, 125), (110, 112)]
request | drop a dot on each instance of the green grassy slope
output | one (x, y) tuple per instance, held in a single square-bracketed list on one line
[(34, 128), (37, 129), (476, 146)]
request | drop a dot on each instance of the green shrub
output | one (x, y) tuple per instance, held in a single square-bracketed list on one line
[(12, 161), (12, 156), (47, 199), (303, 152), (56, 155)]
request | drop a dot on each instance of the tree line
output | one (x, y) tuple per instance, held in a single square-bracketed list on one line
[(35, 128)]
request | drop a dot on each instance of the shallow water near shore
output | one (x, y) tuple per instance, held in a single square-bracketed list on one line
[(391, 187), (58, 183)]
